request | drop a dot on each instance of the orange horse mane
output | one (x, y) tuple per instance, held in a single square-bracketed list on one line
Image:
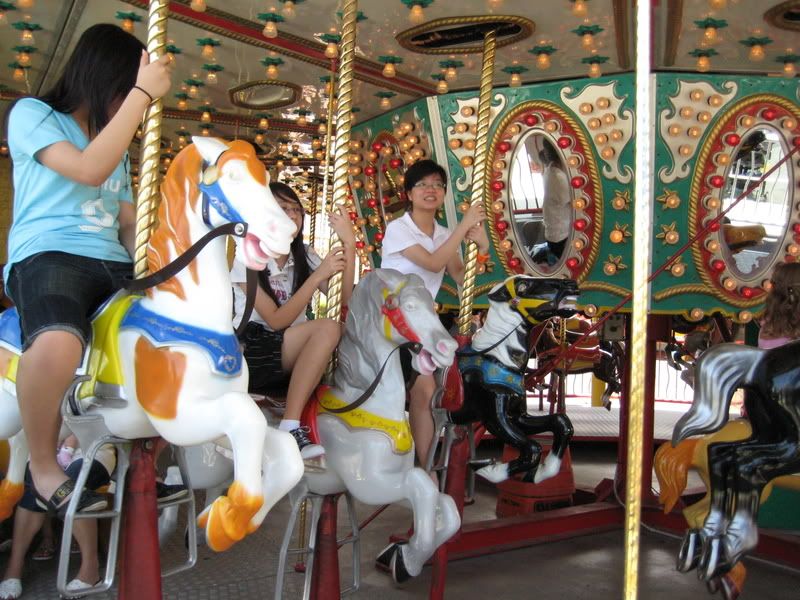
[(672, 468)]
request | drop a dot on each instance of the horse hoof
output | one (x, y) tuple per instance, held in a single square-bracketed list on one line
[(495, 473), (398, 566), (729, 587), (713, 585), (689, 552), (711, 559), (384, 560)]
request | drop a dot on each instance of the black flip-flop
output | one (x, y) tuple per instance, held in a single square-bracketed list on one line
[(89, 501)]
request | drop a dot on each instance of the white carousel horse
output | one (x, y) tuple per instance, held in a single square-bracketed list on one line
[(368, 449), (168, 364)]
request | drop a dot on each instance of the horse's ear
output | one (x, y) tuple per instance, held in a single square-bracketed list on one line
[(499, 293), (389, 277), (209, 148)]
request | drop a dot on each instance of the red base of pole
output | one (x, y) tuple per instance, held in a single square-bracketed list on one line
[(140, 560), (325, 578)]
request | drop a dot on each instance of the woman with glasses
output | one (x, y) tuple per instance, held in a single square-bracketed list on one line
[(416, 243), (279, 336)]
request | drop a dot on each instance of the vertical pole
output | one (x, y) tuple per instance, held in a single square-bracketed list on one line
[(478, 176), (641, 266), (329, 128), (325, 578)]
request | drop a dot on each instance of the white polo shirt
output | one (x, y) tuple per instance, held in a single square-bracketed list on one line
[(403, 233)]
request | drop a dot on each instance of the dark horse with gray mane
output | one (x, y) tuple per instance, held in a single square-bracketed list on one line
[(739, 470), (493, 369)]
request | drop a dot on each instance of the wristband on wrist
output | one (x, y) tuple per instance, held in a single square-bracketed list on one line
[(145, 92)]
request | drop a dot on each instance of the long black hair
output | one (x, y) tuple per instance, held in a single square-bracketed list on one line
[(102, 68), (297, 249)]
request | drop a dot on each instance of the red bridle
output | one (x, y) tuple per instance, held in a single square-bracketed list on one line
[(391, 310)]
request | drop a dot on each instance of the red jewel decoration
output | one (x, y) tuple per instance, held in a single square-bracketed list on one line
[(396, 163), (386, 200), (796, 228), (530, 120), (732, 139), (502, 225), (514, 263), (716, 181), (369, 170), (353, 215), (384, 168), (564, 142), (576, 181), (769, 114), (718, 265), (377, 146), (372, 203), (498, 186), (747, 292), (572, 263), (580, 224), (379, 237), (360, 244), (503, 147), (714, 226), (796, 140)]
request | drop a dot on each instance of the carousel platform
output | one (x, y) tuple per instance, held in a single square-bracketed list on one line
[(588, 568)]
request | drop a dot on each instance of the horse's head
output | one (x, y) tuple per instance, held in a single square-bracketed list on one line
[(537, 299), (408, 316), (234, 186)]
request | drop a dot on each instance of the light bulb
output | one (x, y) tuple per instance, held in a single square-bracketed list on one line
[(288, 9), (205, 132), (543, 61), (272, 72), (211, 78), (24, 59), (450, 74), (182, 104), (710, 34), (302, 121), (416, 15), (579, 8), (322, 129), (193, 91), (3, 18), (295, 160), (198, 5), (331, 50), (516, 80), (181, 140), (385, 104), (263, 123), (703, 63), (270, 30), (127, 25), (441, 87), (207, 51), (756, 53), (389, 70), (717, 4), (789, 69), (27, 37), (259, 138), (19, 74), (205, 117), (594, 70), (24, 4), (279, 164), (587, 40)]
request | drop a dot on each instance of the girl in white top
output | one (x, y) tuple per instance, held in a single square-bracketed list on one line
[(416, 243), (278, 337)]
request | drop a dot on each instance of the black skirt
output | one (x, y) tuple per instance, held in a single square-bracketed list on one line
[(262, 351)]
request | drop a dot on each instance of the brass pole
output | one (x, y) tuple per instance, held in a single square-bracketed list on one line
[(328, 139), (478, 175), (641, 267), (344, 104), (150, 156), (312, 225)]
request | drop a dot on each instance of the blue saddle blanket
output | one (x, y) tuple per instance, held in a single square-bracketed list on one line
[(223, 349), (493, 371), (10, 331)]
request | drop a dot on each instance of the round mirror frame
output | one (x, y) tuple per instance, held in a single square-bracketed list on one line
[(556, 125), (721, 278)]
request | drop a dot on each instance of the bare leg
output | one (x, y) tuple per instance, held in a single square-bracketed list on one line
[(420, 416), (85, 533), (310, 345), (26, 524), (58, 354)]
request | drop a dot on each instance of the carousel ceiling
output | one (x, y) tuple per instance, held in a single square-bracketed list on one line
[(240, 61)]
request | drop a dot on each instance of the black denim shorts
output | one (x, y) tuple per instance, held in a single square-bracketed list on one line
[(60, 291), (263, 351)]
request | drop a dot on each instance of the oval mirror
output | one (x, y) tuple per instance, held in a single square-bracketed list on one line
[(540, 202), (392, 196), (755, 227)]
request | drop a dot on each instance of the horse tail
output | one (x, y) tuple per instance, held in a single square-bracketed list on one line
[(672, 468), (720, 371)]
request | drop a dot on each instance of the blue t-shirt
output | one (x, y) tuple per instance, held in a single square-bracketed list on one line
[(52, 212)]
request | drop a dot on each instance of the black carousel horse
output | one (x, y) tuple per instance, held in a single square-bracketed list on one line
[(739, 470)]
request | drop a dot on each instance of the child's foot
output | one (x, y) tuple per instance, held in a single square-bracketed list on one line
[(45, 551), (166, 492), (307, 448)]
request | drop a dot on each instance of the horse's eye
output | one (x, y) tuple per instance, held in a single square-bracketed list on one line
[(409, 306)]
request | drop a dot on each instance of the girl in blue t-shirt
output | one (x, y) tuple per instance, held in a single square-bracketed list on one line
[(72, 235)]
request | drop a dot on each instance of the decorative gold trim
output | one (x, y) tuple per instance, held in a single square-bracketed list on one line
[(689, 288), (711, 140), (674, 25), (297, 91), (601, 286), (774, 16), (591, 168), (404, 37), (480, 290), (622, 33)]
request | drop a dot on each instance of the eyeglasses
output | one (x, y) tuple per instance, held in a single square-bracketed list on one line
[(437, 185), (293, 209)]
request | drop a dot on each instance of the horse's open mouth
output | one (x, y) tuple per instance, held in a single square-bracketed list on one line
[(425, 364), (568, 303), (255, 256)]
